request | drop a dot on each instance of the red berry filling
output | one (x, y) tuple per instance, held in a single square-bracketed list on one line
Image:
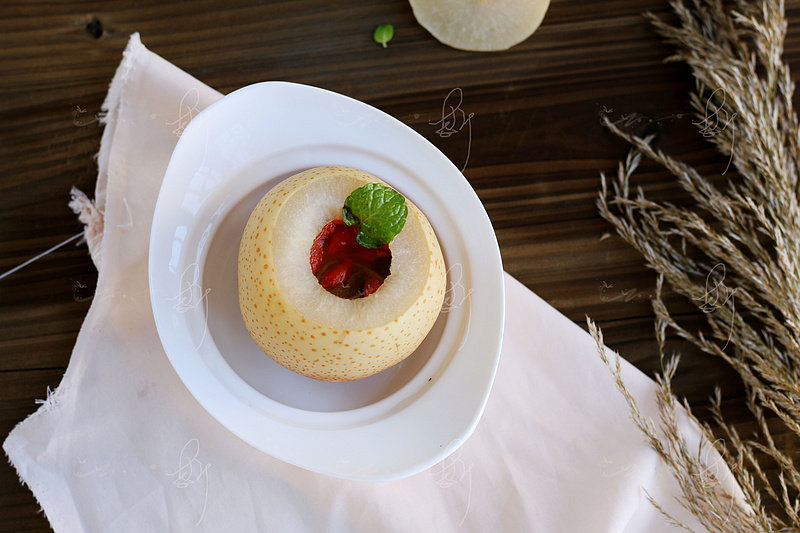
[(344, 267)]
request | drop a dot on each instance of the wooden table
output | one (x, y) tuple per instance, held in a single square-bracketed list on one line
[(533, 150)]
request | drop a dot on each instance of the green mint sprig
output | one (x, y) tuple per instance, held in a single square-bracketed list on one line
[(379, 212), (383, 34)]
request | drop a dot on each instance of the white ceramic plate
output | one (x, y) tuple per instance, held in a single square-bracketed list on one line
[(391, 425)]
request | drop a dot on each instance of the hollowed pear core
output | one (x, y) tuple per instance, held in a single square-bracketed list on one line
[(345, 268)]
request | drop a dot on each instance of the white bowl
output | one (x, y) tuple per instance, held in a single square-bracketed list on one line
[(391, 425)]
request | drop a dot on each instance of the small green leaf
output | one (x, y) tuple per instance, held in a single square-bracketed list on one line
[(379, 212), (349, 218), (367, 242), (383, 34)]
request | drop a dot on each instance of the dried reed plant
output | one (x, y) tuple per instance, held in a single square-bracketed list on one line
[(735, 253)]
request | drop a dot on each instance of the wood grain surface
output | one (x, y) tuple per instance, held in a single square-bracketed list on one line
[(533, 152)]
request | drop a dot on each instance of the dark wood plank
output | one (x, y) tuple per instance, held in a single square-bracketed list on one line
[(535, 155)]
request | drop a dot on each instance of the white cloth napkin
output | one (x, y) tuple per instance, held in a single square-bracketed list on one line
[(122, 446)]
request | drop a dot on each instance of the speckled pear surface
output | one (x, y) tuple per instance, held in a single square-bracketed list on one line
[(305, 328)]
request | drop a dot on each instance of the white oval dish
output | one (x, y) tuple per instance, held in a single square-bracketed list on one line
[(391, 425)]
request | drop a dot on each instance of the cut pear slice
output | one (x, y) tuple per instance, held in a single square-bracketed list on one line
[(480, 25)]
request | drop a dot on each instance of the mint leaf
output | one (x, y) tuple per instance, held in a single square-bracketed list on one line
[(368, 242), (349, 218), (379, 212), (383, 34)]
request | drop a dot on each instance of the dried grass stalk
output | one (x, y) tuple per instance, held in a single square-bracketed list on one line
[(735, 253)]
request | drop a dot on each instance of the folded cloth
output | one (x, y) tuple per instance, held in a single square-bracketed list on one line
[(122, 446)]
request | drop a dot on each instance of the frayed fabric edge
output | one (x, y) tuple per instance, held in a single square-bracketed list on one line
[(92, 212), (14, 448), (109, 113), (93, 221)]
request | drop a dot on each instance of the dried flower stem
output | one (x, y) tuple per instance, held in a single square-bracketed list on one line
[(734, 253)]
